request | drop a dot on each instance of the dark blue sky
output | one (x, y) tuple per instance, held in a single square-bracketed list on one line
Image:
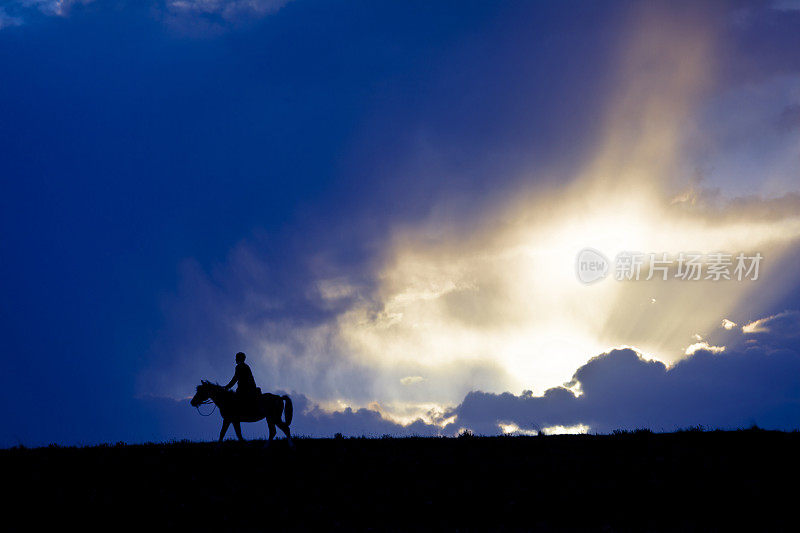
[(136, 140)]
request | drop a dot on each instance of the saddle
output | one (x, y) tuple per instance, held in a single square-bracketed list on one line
[(248, 400)]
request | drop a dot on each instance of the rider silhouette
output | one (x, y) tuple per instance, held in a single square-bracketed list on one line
[(247, 389)]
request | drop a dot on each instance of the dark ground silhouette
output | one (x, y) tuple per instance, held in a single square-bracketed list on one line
[(686, 481)]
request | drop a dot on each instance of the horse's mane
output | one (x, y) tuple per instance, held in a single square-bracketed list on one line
[(214, 385)]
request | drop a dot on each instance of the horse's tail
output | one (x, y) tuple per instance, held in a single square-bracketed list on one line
[(288, 409)]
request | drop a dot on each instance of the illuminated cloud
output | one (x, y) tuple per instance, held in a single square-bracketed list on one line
[(692, 348), (786, 323), (757, 326), (578, 429)]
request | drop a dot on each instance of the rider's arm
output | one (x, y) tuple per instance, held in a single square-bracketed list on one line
[(233, 381)]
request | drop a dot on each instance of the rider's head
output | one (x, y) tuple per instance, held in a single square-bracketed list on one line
[(240, 357)]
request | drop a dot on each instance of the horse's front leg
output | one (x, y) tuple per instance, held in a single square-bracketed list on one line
[(225, 424), (238, 428)]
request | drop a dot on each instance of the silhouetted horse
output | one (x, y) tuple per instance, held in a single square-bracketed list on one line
[(235, 409)]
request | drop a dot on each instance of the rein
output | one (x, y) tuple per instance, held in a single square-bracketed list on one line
[(209, 401)]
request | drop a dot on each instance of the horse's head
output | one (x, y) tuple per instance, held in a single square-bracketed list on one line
[(203, 393)]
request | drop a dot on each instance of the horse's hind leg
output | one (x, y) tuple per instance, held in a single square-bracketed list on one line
[(285, 428), (271, 426)]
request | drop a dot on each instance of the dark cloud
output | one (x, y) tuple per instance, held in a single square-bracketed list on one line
[(317, 422), (754, 381)]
